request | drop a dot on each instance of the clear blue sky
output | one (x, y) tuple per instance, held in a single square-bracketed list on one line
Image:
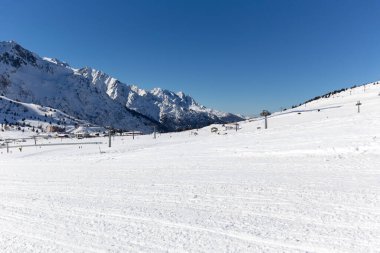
[(237, 56)]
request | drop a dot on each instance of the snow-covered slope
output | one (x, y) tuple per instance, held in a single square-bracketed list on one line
[(94, 96), (32, 118), (308, 183)]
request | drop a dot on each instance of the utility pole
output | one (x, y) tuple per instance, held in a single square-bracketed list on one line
[(358, 104)]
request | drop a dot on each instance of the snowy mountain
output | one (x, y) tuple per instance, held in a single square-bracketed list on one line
[(92, 95), (175, 111)]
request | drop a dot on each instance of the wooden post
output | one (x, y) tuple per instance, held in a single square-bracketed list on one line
[(154, 134), (133, 135), (7, 147)]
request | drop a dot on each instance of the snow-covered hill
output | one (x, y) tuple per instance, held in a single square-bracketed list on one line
[(308, 183), (94, 96)]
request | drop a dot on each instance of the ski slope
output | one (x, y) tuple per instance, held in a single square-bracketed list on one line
[(308, 183)]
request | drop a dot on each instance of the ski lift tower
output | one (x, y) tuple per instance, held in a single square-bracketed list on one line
[(236, 126), (265, 114)]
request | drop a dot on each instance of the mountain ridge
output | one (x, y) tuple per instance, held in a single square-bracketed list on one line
[(97, 97)]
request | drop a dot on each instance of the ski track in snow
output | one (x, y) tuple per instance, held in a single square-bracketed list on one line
[(309, 183)]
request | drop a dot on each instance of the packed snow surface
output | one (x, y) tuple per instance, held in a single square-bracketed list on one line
[(308, 183)]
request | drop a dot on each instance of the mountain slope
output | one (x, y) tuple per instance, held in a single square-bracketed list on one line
[(27, 116), (94, 96)]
